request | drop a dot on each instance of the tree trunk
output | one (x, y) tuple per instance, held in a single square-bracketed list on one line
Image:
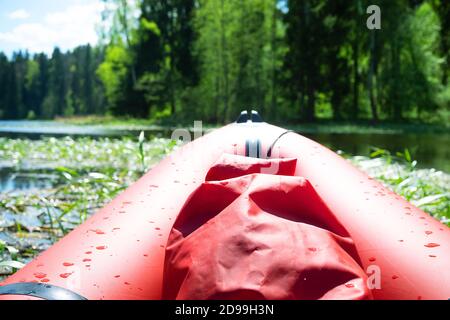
[(127, 37), (371, 77), (273, 57), (309, 112), (172, 65), (355, 80), (224, 62), (397, 105)]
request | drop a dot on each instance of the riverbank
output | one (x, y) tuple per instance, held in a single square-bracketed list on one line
[(428, 145), (322, 126)]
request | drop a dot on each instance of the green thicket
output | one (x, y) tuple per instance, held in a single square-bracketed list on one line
[(294, 60), (43, 87)]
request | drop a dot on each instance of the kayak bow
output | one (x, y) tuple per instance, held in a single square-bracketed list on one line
[(304, 222)]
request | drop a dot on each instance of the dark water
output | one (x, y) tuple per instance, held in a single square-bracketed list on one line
[(38, 128), (11, 180), (430, 150)]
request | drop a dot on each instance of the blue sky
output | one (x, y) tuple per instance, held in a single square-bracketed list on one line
[(40, 25)]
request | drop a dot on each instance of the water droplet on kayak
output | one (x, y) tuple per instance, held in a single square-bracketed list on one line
[(349, 285), (419, 297), (100, 247), (127, 283), (422, 218), (400, 240), (45, 280), (432, 245), (117, 276), (432, 256), (86, 260), (176, 181), (88, 266), (98, 231), (312, 249), (428, 232), (88, 252), (394, 277), (145, 255), (65, 275), (115, 229), (67, 264), (372, 259), (40, 275), (157, 228)]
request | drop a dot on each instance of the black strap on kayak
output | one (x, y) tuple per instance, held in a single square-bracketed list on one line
[(269, 151), (40, 290)]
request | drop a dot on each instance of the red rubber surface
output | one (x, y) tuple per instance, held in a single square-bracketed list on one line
[(119, 252)]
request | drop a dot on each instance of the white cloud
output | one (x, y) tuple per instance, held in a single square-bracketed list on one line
[(19, 14), (66, 29)]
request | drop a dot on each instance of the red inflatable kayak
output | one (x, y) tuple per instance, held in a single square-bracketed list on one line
[(248, 211)]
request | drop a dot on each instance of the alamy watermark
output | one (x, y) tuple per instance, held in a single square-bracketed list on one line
[(373, 22)]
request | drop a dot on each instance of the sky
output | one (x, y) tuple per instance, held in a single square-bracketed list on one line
[(40, 25)]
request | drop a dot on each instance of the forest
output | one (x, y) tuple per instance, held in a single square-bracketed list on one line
[(294, 61)]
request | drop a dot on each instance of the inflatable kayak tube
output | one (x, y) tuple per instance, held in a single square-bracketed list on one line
[(248, 211)]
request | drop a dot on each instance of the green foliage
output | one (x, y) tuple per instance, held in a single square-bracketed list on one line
[(427, 189), (295, 61), (40, 87), (237, 47), (89, 173), (149, 26), (113, 71)]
